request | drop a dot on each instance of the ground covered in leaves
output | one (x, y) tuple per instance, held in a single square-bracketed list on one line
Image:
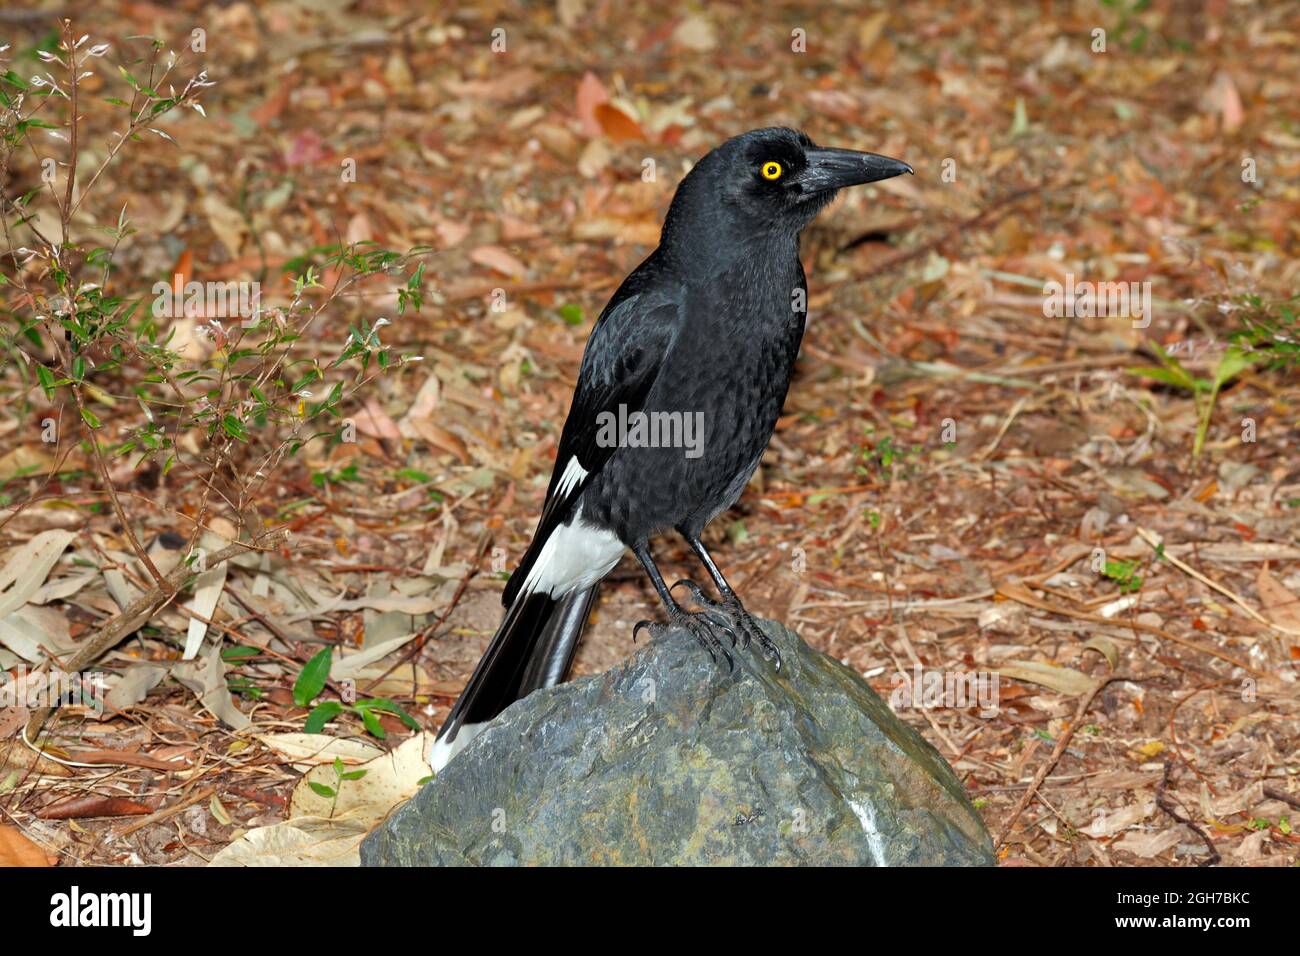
[(961, 484)]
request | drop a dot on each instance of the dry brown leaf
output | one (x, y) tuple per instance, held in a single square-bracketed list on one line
[(123, 758), (306, 841), (1105, 647), (308, 750), (869, 31), (17, 850), (507, 85), (1063, 680), (16, 756), (389, 779), (25, 459), (617, 125), (226, 222), (591, 93), (375, 422), (1283, 607), (1148, 843), (93, 805), (497, 259), (1224, 99)]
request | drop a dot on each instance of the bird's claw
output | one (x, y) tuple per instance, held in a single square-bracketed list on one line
[(713, 611), (701, 626), (737, 620)]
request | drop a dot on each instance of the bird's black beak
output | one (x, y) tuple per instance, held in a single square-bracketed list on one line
[(837, 168)]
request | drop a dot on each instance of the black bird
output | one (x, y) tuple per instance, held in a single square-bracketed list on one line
[(681, 384)]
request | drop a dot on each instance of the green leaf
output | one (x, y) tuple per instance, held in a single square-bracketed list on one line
[(1175, 377), (372, 722), (329, 793), (1233, 363), (303, 382), (89, 418), (571, 313), (322, 715), (23, 126), (46, 378), (383, 703), (412, 474), (234, 428), (311, 681)]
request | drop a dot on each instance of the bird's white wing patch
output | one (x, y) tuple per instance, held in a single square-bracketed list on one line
[(574, 475), (575, 556)]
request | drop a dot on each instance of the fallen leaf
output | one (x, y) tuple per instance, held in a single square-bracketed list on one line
[(617, 125), (594, 159), (372, 420), (306, 841), (497, 259), (591, 93), (226, 222), (389, 779), (206, 677), (869, 31), (1150, 749), (134, 685), (207, 591), (1063, 680), (1106, 822), (1224, 99), (1283, 607), (351, 665), (93, 805), (28, 567), (308, 750), (1147, 843), (25, 459), (17, 850), (1105, 647), (122, 758)]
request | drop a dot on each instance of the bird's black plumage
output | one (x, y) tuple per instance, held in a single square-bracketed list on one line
[(708, 326)]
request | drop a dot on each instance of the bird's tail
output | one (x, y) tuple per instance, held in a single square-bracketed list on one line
[(532, 648)]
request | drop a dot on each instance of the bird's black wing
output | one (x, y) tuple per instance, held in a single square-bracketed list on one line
[(620, 364)]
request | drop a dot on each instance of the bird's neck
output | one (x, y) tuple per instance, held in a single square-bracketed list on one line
[(723, 248)]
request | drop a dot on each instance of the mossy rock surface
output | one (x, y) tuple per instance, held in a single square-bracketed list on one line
[(670, 759)]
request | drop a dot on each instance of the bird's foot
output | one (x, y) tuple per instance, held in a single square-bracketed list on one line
[(731, 614), (698, 624)]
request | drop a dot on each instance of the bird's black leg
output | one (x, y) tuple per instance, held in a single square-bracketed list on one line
[(729, 607), (698, 624)]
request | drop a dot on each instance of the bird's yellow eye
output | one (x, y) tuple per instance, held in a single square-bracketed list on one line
[(771, 170)]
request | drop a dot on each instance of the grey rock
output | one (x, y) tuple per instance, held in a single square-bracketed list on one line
[(670, 759)]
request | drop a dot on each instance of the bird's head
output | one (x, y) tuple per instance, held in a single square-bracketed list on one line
[(776, 179)]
